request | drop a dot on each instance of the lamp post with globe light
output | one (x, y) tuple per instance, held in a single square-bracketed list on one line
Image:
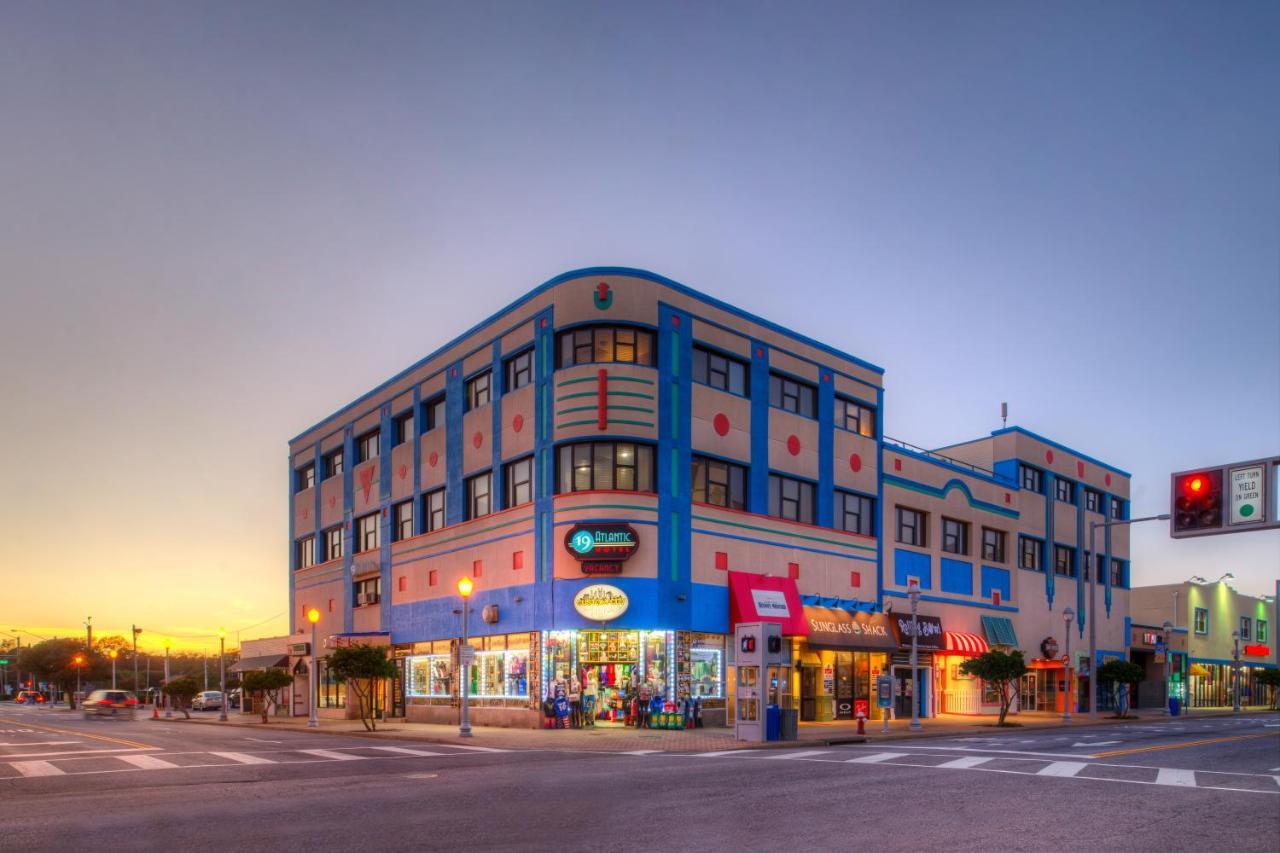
[(113, 654), (1067, 615), (313, 616), (465, 586)]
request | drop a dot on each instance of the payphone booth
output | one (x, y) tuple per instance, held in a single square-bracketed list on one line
[(764, 678)]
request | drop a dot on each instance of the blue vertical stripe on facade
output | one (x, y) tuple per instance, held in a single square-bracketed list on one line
[(1106, 540), (544, 464), (453, 409), (675, 399), (1082, 557), (419, 423), (348, 524), (758, 479), (880, 533), (826, 447), (1049, 562), (497, 383), (292, 561), (385, 521)]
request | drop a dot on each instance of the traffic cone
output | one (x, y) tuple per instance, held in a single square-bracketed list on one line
[(155, 711)]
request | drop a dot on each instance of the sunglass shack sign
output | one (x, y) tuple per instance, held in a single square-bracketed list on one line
[(601, 549)]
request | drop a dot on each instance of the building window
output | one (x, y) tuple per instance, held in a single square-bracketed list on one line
[(719, 483), (519, 481), (433, 414), (856, 513), (306, 548), (792, 395), (790, 499), (1202, 621), (367, 591), (331, 693), (1245, 625), (1064, 561), (367, 536), (333, 543), (478, 390), (1093, 500), (605, 465), (1064, 490), (333, 464), (305, 477), (603, 344), (1117, 508), (955, 536), (368, 446), (519, 370), (720, 371), (403, 429), (1031, 553), (403, 516), (478, 489), (856, 417), (1032, 479), (433, 510), (992, 545), (1117, 572), (912, 527), (1261, 634)]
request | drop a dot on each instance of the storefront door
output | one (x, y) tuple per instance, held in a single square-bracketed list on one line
[(904, 692), (844, 685), (396, 706), (809, 693)]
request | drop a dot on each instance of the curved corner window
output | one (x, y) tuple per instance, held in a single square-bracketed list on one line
[(590, 465), (605, 344)]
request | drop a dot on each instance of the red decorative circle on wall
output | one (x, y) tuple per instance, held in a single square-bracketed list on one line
[(477, 440), (543, 324), (517, 423), (675, 320), (403, 472), (855, 463), (433, 458), (1048, 456), (793, 445), (759, 352), (721, 424), (826, 377), (1080, 469), (1108, 479), (453, 372), (1008, 498), (332, 500)]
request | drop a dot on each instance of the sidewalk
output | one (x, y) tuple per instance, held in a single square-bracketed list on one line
[(694, 740)]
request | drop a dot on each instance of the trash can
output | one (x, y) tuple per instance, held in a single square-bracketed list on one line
[(1175, 706), (772, 722), (790, 724)]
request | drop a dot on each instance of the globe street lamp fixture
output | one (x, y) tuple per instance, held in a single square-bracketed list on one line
[(78, 661), (222, 674), (913, 593), (1166, 627), (113, 654), (1068, 698), (465, 587), (313, 616)]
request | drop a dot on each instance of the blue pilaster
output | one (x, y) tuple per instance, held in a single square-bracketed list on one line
[(825, 509), (385, 520), (675, 398), (1048, 538), (348, 529), (497, 388), (453, 408), (292, 560), (1106, 538), (758, 481), (419, 517), (1082, 557), (544, 463), (880, 531)]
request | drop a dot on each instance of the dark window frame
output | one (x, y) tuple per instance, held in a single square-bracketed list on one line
[(304, 477), (732, 481), (333, 549), (517, 478), (402, 428), (863, 415), (1092, 500), (430, 513), (955, 536), (1036, 551), (1196, 620), (476, 499), (802, 498), (478, 390), (1070, 552), (305, 552), (588, 457), (368, 446), (401, 527), (864, 513), (365, 533), (919, 526), (1117, 573), (434, 413), (993, 544), (367, 587), (1064, 490), (793, 395), (517, 370), (584, 344), (1031, 478), (717, 369), (333, 463)]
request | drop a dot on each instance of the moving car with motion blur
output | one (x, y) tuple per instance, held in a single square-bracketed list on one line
[(110, 703), (208, 700)]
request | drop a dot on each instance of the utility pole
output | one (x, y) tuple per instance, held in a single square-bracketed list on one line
[(136, 632), (88, 634)]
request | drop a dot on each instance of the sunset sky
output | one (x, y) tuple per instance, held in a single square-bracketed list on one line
[(223, 221)]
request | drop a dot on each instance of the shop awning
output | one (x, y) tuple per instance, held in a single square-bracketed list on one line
[(835, 628), (264, 662), (999, 631), (764, 598), (928, 631), (961, 643), (1199, 669)]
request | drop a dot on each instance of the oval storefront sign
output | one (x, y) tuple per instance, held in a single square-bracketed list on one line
[(600, 602)]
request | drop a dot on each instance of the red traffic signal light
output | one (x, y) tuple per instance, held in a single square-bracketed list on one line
[(1197, 501)]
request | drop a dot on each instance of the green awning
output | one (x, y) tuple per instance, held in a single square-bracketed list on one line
[(999, 631)]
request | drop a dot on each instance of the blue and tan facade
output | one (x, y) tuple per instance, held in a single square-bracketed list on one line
[(729, 454)]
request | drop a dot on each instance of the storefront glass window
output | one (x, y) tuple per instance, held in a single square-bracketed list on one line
[(655, 660), (501, 674), (557, 658), (429, 675), (332, 694), (706, 673)]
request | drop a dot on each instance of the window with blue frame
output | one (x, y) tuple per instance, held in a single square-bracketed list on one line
[(605, 344), (305, 477), (855, 417), (1031, 553), (721, 371), (1117, 573), (519, 370), (1064, 561), (1093, 500), (1064, 490), (1117, 508), (792, 395), (1261, 633), (1201, 620), (855, 513), (1032, 478)]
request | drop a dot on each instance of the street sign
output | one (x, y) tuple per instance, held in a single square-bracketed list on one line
[(1230, 498), (466, 654), (1245, 501)]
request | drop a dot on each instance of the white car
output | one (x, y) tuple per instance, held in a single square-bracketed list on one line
[(208, 700)]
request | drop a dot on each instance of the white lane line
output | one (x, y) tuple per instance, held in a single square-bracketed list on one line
[(67, 753), (332, 756), (787, 756), (1062, 768), (998, 751), (261, 740), (147, 762), (965, 762), (478, 748), (1098, 743), (721, 752), (243, 758), (36, 768), (404, 750), (1170, 776), (876, 758), (641, 752)]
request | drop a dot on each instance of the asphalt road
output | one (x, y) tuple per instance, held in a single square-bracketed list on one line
[(66, 784)]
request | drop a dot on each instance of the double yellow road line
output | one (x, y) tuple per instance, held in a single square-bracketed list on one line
[(74, 733), (1115, 752)]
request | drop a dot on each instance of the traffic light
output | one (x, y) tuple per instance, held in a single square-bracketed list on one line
[(1197, 501)]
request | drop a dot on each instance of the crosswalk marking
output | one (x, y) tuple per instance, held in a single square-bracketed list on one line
[(147, 762), (36, 768), (404, 750), (332, 756), (641, 752), (243, 758), (965, 762), (1062, 768), (1170, 776), (787, 756), (478, 748), (876, 758), (721, 752)]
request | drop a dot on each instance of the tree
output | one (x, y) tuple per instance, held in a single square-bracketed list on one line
[(181, 690), (1270, 678), (363, 669), (1001, 670), (265, 685), (51, 660), (1118, 675)]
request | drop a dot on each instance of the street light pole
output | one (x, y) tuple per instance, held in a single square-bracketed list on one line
[(222, 674), (1235, 671), (168, 711), (1067, 615), (465, 587), (313, 616), (78, 660), (114, 654), (1092, 606), (1167, 626), (136, 632), (913, 592)]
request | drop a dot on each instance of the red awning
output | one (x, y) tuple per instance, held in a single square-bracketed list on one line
[(960, 643), (762, 598)]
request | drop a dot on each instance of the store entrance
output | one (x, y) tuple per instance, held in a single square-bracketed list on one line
[(844, 685)]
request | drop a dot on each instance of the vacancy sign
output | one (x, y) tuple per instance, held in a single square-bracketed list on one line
[(1246, 488)]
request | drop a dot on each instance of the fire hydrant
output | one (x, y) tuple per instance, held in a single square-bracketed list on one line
[(862, 723)]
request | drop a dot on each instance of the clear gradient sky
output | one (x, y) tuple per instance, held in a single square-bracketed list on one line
[(222, 221)]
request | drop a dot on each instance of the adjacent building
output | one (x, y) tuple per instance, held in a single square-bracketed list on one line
[(625, 468)]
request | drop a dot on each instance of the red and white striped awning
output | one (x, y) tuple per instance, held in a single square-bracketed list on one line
[(961, 643)]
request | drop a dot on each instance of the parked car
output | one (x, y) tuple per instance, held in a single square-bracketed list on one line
[(30, 697), (110, 703), (207, 700)]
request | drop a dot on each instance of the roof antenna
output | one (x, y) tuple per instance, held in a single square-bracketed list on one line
[(1004, 415)]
